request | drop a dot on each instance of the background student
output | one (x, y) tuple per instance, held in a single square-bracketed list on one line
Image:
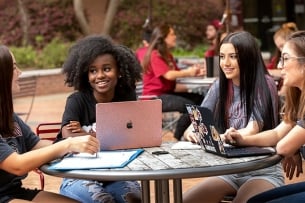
[(21, 150), (279, 39), (140, 52), (212, 34), (100, 72), (288, 136), (160, 74), (244, 97)]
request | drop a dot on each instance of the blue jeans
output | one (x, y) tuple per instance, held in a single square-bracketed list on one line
[(292, 193), (101, 192)]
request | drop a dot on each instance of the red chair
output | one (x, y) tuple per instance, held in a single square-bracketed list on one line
[(46, 131), (41, 176)]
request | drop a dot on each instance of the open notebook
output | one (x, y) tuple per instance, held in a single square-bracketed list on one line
[(203, 123), (103, 159)]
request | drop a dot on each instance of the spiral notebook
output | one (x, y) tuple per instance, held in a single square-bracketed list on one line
[(204, 128)]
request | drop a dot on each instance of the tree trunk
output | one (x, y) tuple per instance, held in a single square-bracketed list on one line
[(80, 15), (24, 23), (111, 11), (109, 7)]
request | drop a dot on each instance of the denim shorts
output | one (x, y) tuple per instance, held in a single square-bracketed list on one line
[(96, 192), (20, 193), (273, 174)]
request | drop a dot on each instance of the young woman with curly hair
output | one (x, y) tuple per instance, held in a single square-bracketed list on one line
[(100, 71)]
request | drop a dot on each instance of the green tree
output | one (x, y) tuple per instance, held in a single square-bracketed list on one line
[(188, 17)]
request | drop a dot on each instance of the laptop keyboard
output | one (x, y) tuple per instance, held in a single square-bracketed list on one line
[(248, 150)]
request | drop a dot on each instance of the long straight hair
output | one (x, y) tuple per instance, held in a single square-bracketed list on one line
[(294, 106), (6, 101), (254, 89), (158, 43)]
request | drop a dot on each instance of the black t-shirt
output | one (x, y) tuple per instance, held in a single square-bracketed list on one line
[(80, 106), (22, 140)]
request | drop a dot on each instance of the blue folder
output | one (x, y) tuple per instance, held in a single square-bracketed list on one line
[(103, 159)]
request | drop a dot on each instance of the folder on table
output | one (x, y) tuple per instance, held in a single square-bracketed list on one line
[(104, 159)]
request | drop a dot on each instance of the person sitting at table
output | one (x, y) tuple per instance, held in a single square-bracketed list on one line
[(279, 39), (160, 74), (244, 97), (21, 150), (288, 136), (212, 36), (140, 52), (100, 71)]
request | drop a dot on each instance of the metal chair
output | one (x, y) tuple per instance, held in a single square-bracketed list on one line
[(46, 131)]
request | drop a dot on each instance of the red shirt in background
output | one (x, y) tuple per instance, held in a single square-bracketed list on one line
[(272, 64), (153, 81), (140, 53), (209, 53)]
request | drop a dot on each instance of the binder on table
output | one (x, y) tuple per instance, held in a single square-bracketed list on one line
[(103, 159)]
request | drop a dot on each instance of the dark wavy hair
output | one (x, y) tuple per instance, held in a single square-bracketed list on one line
[(158, 43), (254, 89), (6, 100), (86, 50)]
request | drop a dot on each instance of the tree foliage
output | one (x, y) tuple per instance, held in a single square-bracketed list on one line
[(188, 17), (48, 19), (39, 27)]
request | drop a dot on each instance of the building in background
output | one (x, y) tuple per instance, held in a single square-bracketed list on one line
[(262, 18)]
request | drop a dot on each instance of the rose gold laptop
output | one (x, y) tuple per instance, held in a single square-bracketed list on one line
[(130, 124)]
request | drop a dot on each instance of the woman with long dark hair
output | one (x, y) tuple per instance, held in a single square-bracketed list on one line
[(20, 149), (244, 98), (160, 74), (288, 136)]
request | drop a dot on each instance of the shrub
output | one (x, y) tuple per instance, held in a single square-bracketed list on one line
[(198, 51), (51, 56), (25, 56)]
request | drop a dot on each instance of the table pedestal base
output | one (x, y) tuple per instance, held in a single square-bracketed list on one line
[(162, 191)]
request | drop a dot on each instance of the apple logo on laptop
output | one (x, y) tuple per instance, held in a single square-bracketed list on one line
[(129, 124)]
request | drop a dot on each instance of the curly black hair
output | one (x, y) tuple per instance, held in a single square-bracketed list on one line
[(86, 50)]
